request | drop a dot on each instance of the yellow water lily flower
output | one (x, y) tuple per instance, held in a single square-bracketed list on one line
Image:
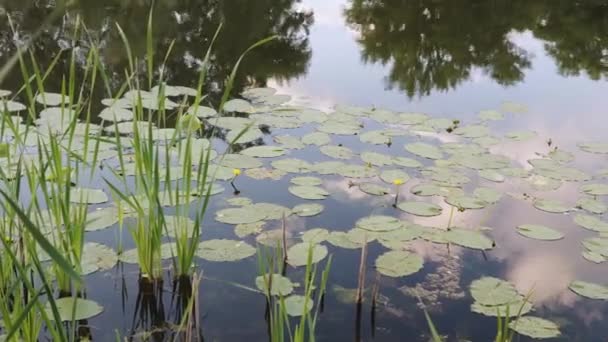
[(398, 181), (236, 172)]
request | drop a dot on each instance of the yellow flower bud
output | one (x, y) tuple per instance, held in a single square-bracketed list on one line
[(398, 181), (236, 172)]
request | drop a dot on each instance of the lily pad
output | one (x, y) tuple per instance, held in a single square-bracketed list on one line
[(297, 305), (379, 223), (52, 99), (316, 138), (535, 327), (398, 263), (202, 112), (377, 159), (239, 161), (589, 290), (101, 219), (264, 151), (265, 173), (493, 291), (539, 232), (594, 147), (315, 235), (374, 189), (85, 195), (389, 176), (292, 165), (308, 192), (469, 238), (279, 285), (245, 229), (307, 180), (551, 206), (407, 162), (492, 176), (247, 214), (591, 222), (490, 115), (305, 210), (357, 171), (516, 308), (424, 150), (595, 189), (487, 195), (420, 208), (520, 135), (338, 152), (238, 137), (168, 250), (238, 105), (272, 211), (72, 308), (224, 250), (465, 202), (116, 114), (591, 205), (297, 255)]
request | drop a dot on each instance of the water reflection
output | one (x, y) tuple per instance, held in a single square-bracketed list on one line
[(185, 26), (436, 45)]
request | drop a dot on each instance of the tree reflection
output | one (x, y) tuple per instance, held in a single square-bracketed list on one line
[(189, 23), (435, 45)]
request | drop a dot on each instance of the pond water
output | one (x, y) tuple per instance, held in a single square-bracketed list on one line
[(539, 66)]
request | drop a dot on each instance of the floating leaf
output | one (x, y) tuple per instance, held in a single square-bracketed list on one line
[(465, 202), (472, 131), (420, 208), (272, 211), (101, 219), (398, 263), (589, 290), (239, 161), (265, 173), (177, 226), (224, 250), (469, 238), (316, 138), (116, 114), (493, 291), (591, 205), (297, 255), (520, 135), (239, 201), (516, 308), (356, 171), (412, 118), (308, 192), (202, 112), (168, 250), (374, 189), (551, 206), (247, 214), (487, 195), (97, 257), (352, 239), (407, 162), (238, 137), (52, 99), (305, 210), (492, 176), (389, 176), (338, 152), (238, 105), (279, 285), (296, 305), (307, 180), (490, 115), (289, 142), (424, 150), (315, 235), (591, 223), (245, 229), (292, 165), (72, 308), (85, 195), (379, 223), (535, 327), (595, 189), (594, 147), (264, 151), (539, 232), (377, 159)]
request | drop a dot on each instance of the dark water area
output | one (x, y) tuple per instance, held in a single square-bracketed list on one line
[(445, 58)]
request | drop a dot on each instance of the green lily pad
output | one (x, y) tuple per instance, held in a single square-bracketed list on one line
[(561, 156), (96, 257), (594, 257), (245, 229), (520, 135), (516, 308), (490, 115), (272, 211), (412, 118), (551, 206), (487, 195), (247, 214), (356, 171), (472, 131), (177, 226), (297, 255), (591, 222), (265, 173), (465, 202), (541, 183), (539, 232), (595, 189), (374, 189), (389, 176), (305, 210), (535, 327), (315, 235), (594, 147), (420, 208), (202, 112), (238, 137), (253, 93), (307, 180), (224, 250), (589, 290), (398, 263), (279, 285), (168, 250), (234, 123), (52, 99), (239, 161), (591, 205), (238, 105), (349, 240), (85, 195), (339, 127), (308, 192), (469, 238), (11, 106), (424, 150), (568, 174), (289, 142), (493, 291), (338, 152), (292, 165), (116, 114), (101, 219), (377, 159), (72, 308), (492, 176), (297, 305), (316, 138), (379, 223), (378, 137), (264, 151), (407, 162)]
